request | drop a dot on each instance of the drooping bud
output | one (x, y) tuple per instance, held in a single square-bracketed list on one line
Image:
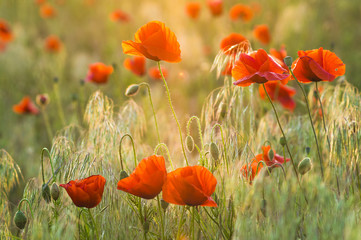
[(288, 61), (305, 165), (42, 99), (307, 150), (123, 174), (190, 143), (132, 90), (214, 151), (271, 154), (45, 192), (164, 204), (283, 141), (20, 219), (54, 191)]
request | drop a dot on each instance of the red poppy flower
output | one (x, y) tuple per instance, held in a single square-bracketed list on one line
[(279, 55), (279, 92), (147, 179), (193, 9), (240, 11), (47, 11), (192, 186), (236, 41), (5, 32), (155, 74), (52, 44), (26, 106), (216, 7), (86, 192), (262, 34), (154, 41), (251, 169), (136, 65), (257, 67), (99, 73), (119, 16), (317, 65)]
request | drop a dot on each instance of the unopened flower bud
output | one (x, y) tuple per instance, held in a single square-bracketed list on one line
[(164, 204), (271, 154), (305, 165), (20, 219), (214, 151), (45, 192), (54, 191), (132, 90), (123, 174), (190, 143), (283, 141), (307, 150), (288, 61), (42, 99)]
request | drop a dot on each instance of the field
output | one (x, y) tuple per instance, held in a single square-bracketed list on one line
[(202, 119)]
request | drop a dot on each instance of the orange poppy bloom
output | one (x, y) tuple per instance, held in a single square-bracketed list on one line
[(192, 186), (154, 41), (155, 74), (147, 179), (317, 65), (47, 11), (279, 92), (99, 73), (119, 16), (262, 34), (240, 11), (86, 192), (26, 106), (136, 65), (236, 42), (216, 7), (5, 32), (257, 67), (279, 55), (193, 9), (251, 169), (52, 44)]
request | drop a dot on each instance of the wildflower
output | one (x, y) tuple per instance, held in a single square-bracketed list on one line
[(317, 65), (52, 44), (86, 192), (279, 92), (47, 11), (215, 6), (119, 16), (279, 55), (5, 32), (42, 99), (26, 106), (147, 179), (136, 65), (234, 43), (155, 74), (192, 186), (262, 34), (154, 41), (257, 67), (271, 159), (193, 9), (240, 11), (99, 73)]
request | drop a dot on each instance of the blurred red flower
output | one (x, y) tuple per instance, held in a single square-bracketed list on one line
[(119, 16), (215, 6), (136, 65), (99, 73), (240, 11), (155, 74), (279, 92), (47, 11), (86, 192), (5, 32), (262, 34), (193, 9), (192, 186), (26, 106), (234, 43), (53, 44)]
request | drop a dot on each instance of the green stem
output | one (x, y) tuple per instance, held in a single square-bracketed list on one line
[(323, 118), (224, 145), (28, 202), (95, 225), (180, 222), (47, 123), (283, 134), (313, 128), (174, 114), (151, 103), (167, 150), (42, 163), (199, 129), (58, 102), (120, 150), (161, 219), (193, 209)]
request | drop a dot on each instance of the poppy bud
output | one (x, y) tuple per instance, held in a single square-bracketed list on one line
[(132, 90), (283, 141), (45, 192), (74, 97), (42, 99), (214, 151), (305, 165), (54, 191), (315, 94), (20, 219), (271, 154), (164, 204), (263, 207), (190, 143), (55, 79), (123, 174), (146, 226), (288, 61), (307, 150)]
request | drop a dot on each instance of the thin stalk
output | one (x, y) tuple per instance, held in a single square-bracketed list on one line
[(174, 114), (58, 103), (180, 222), (199, 129), (42, 163), (95, 225), (193, 209), (323, 118), (120, 150), (28, 202), (283, 134), (161, 219), (224, 145), (167, 150), (47, 123)]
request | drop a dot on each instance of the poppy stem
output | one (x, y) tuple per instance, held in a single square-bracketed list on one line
[(151, 103), (161, 219), (174, 114), (323, 118), (313, 128), (47, 123), (120, 151), (224, 145), (93, 221), (28, 202), (180, 222), (193, 209), (167, 150), (199, 129), (288, 149), (58, 103), (42, 163)]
